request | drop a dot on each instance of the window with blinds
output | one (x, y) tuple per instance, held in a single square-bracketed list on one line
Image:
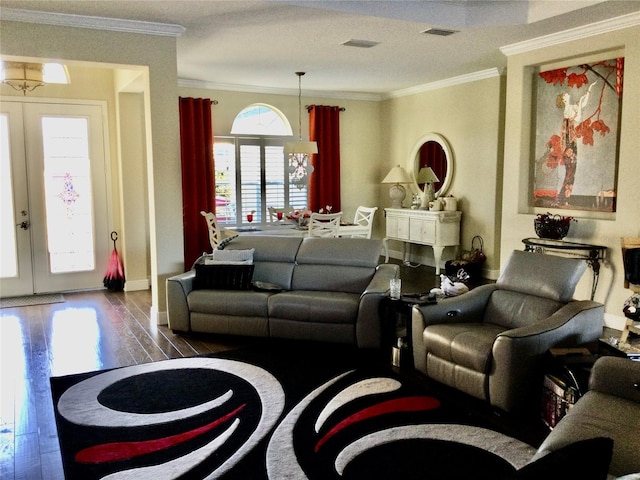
[(252, 174)]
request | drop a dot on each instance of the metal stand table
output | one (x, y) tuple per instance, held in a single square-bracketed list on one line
[(591, 253)]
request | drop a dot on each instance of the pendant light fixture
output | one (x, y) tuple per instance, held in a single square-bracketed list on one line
[(27, 76), (299, 152)]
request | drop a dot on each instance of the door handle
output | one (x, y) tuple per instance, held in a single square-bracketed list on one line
[(24, 225)]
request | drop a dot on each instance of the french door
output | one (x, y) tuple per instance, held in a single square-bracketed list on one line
[(53, 205)]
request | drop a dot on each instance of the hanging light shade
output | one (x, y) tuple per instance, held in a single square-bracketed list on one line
[(27, 76), (298, 152)]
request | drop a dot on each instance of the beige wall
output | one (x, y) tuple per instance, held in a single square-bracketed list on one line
[(518, 218), (469, 117), (157, 56)]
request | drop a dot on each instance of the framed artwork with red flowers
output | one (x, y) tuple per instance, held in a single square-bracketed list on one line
[(577, 118)]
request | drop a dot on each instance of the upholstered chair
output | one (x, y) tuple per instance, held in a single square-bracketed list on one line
[(490, 342)]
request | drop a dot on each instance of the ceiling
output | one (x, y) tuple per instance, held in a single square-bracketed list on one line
[(258, 45)]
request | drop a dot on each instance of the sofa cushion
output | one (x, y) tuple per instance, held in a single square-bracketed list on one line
[(513, 309), (314, 306), (338, 265), (465, 344), (229, 302), (274, 257)]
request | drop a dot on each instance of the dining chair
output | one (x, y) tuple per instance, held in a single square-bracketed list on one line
[(324, 224), (273, 212), (363, 218), (214, 230)]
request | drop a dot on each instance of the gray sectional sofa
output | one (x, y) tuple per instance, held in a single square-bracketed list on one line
[(331, 289)]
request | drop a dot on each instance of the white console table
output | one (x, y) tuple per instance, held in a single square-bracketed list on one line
[(422, 227)]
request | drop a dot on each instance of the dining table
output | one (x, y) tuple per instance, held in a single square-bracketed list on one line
[(289, 229)]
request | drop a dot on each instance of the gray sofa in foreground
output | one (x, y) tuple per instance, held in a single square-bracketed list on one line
[(611, 408), (330, 291)]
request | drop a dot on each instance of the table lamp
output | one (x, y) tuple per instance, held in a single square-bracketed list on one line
[(397, 192), (428, 177)]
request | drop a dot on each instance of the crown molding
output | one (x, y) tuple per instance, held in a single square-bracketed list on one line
[(448, 82), (96, 23), (578, 33), (188, 83)]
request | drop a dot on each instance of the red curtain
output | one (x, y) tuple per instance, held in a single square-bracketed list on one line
[(432, 155), (198, 175), (324, 182)]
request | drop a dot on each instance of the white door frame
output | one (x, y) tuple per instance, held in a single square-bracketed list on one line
[(42, 280)]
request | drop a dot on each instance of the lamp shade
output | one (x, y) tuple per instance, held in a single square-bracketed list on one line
[(397, 175), (426, 175), (26, 76), (301, 147)]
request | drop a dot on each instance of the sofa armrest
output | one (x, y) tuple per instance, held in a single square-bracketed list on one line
[(616, 376), (368, 321), (466, 308), (178, 288), (515, 378)]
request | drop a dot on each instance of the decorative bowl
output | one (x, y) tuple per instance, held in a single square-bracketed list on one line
[(555, 227)]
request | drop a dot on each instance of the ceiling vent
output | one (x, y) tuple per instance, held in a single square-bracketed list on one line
[(359, 43), (441, 32)]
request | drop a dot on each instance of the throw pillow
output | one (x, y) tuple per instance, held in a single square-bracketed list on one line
[(222, 276), (231, 257), (583, 459)]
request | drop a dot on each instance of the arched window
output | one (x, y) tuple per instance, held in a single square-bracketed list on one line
[(252, 171), (261, 119)]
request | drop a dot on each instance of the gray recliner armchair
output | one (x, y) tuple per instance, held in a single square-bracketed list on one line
[(490, 342)]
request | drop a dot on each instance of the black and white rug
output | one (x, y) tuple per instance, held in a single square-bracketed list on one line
[(272, 414)]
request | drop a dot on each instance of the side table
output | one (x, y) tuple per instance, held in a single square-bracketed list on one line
[(396, 327), (566, 379)]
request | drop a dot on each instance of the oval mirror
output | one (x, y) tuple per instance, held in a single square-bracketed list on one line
[(432, 150)]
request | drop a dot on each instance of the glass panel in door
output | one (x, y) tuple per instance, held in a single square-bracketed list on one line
[(68, 195), (16, 276)]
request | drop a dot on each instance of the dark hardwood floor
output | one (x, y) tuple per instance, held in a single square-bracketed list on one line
[(90, 331)]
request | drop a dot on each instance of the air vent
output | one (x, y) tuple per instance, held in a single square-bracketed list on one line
[(359, 43), (441, 32)]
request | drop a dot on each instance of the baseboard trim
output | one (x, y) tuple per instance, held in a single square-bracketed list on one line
[(136, 285), (616, 322)]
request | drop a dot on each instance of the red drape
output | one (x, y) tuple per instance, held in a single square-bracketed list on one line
[(324, 182), (198, 175), (432, 155)]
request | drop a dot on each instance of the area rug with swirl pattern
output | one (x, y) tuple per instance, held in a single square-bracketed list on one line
[(270, 413)]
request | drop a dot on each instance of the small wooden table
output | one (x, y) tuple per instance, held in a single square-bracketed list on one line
[(591, 253)]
